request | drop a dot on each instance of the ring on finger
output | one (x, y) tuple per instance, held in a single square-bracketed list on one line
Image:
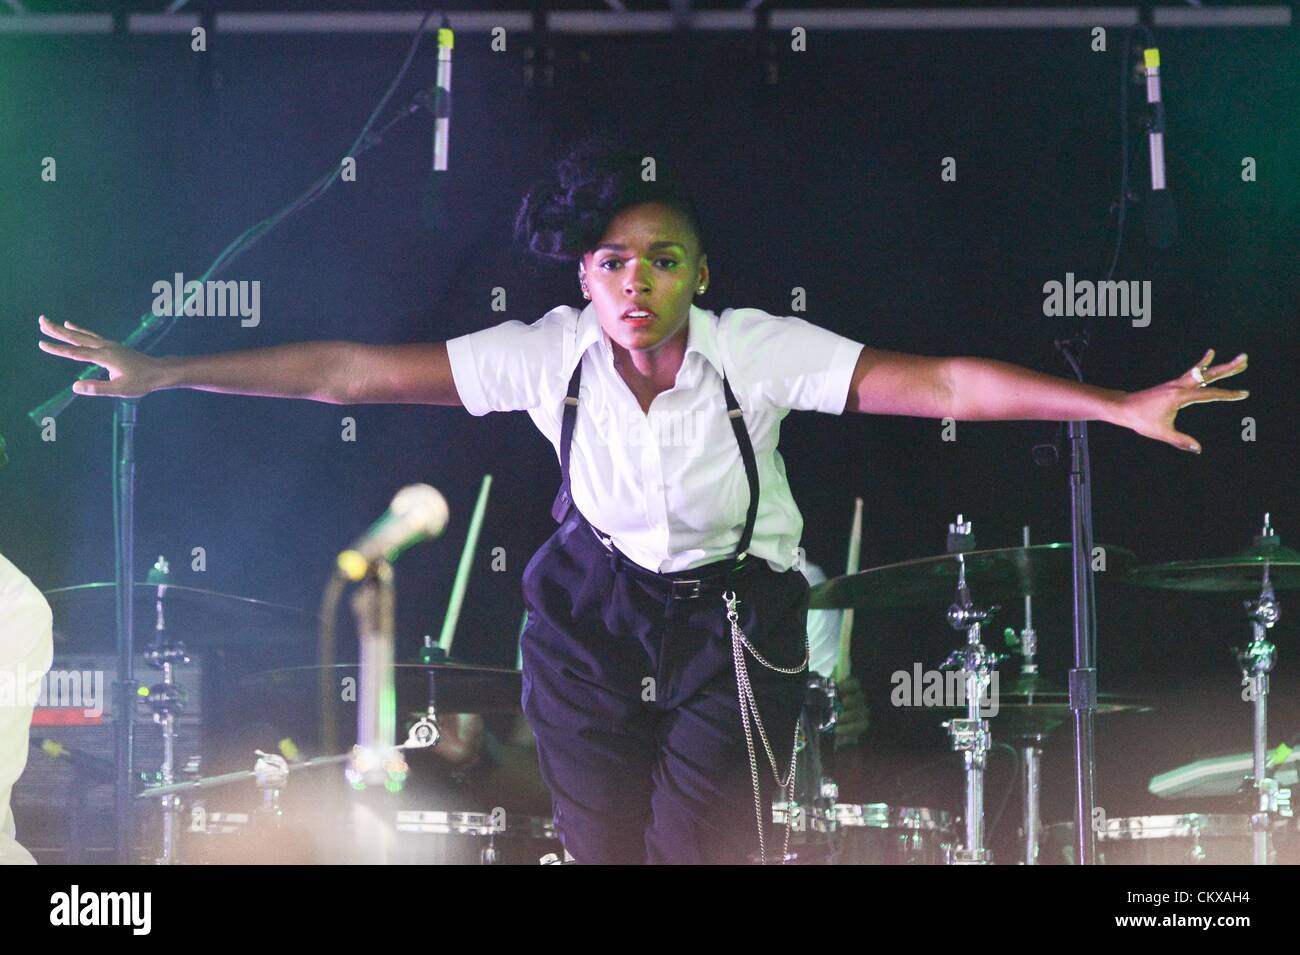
[(1199, 374)]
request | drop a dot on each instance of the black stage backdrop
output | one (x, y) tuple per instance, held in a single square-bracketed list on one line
[(827, 180)]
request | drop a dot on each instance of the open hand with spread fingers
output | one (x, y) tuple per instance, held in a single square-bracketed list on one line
[(1151, 412), (131, 374)]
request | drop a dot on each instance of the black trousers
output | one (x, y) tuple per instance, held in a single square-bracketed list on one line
[(632, 698)]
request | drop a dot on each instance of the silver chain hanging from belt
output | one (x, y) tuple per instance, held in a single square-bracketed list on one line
[(749, 710)]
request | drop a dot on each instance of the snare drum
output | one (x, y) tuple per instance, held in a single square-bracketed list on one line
[(870, 834), (1188, 839)]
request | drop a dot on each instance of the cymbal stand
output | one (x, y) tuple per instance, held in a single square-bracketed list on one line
[(970, 736), (167, 700), (815, 793), (1256, 661), (1030, 747)]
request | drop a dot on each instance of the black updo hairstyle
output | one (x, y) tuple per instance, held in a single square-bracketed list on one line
[(563, 217)]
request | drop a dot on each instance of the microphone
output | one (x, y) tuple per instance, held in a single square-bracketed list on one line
[(434, 198), (1160, 217), (418, 512), (442, 100)]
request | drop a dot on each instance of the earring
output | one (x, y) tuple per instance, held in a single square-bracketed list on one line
[(700, 290)]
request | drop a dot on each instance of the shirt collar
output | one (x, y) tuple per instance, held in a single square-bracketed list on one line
[(701, 337)]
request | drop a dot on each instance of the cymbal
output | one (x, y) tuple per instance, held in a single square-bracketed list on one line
[(1241, 573), (1220, 775), (458, 688), (995, 575), (86, 615)]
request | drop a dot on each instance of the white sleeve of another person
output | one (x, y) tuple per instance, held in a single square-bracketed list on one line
[(26, 649)]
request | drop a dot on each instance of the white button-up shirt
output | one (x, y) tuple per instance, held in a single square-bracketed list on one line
[(668, 486)]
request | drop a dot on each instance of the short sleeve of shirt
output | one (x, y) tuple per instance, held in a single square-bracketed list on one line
[(508, 367), (786, 362)]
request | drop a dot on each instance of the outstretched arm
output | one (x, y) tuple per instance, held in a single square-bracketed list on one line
[(332, 372), (981, 389)]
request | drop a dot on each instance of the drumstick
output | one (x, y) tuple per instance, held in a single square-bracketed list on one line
[(461, 583), (843, 664)]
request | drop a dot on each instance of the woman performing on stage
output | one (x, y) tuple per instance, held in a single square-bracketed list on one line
[(665, 653)]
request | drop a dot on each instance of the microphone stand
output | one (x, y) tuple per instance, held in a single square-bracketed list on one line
[(149, 332), (1083, 678), (375, 757), (124, 421)]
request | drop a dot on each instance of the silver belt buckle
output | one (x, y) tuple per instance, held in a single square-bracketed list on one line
[(690, 591)]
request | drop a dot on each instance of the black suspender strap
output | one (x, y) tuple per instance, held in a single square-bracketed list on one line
[(564, 499), (751, 466)]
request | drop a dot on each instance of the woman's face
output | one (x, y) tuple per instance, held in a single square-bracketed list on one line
[(649, 258)]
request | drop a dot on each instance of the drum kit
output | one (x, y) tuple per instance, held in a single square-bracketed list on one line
[(349, 817), (1027, 714)]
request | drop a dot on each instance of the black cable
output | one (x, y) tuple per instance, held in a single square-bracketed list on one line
[(318, 189), (1124, 170)]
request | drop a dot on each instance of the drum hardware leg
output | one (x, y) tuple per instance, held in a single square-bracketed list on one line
[(1031, 756), (971, 738)]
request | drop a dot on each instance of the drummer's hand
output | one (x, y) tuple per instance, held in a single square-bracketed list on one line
[(462, 738), (1151, 412), (853, 717), (131, 374)]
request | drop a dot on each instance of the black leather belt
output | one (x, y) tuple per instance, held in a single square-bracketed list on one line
[(692, 583)]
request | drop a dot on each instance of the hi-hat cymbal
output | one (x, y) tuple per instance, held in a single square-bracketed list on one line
[(1241, 573), (996, 575), (457, 688), (85, 616)]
